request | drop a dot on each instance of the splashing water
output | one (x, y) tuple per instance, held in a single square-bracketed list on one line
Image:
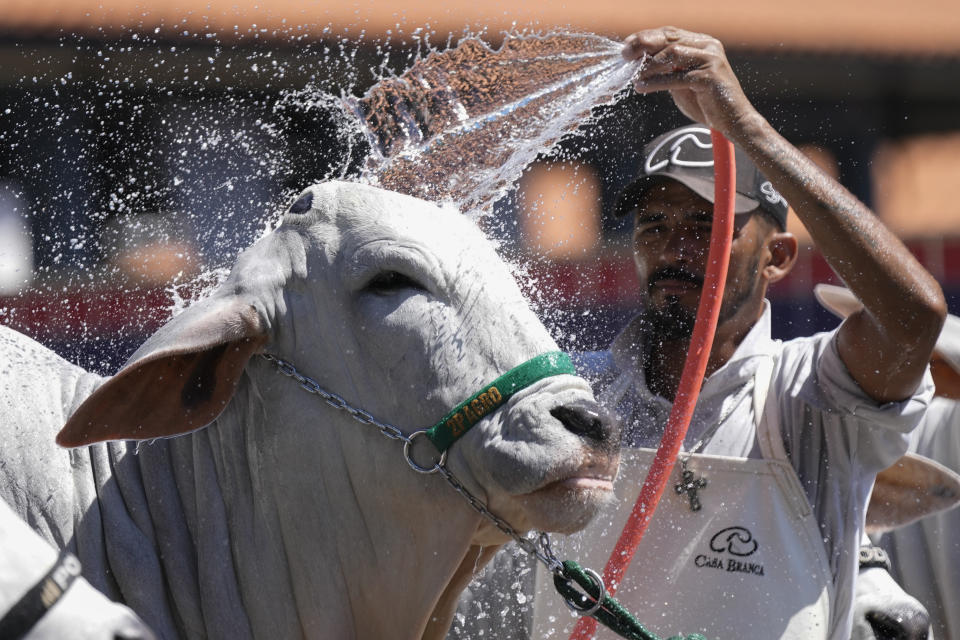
[(152, 169), (134, 161), (462, 125)]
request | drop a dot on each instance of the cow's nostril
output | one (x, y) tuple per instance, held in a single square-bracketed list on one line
[(582, 422), (908, 625)]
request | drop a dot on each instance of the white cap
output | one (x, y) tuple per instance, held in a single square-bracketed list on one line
[(842, 303)]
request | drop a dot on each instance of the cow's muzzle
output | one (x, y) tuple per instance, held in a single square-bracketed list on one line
[(591, 423)]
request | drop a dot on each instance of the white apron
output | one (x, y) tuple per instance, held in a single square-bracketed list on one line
[(749, 564)]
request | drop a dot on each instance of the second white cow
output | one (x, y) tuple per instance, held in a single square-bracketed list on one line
[(285, 517)]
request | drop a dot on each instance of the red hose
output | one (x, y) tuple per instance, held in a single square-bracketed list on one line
[(701, 342)]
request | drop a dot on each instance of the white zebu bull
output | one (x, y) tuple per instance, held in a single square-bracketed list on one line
[(42, 597), (286, 518)]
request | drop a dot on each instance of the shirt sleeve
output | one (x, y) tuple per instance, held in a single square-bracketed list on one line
[(881, 429)]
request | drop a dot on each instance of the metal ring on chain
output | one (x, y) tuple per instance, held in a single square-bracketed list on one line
[(592, 609), (410, 461)]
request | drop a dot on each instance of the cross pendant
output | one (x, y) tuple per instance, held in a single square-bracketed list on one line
[(690, 485)]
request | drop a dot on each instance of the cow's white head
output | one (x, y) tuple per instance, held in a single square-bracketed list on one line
[(404, 309)]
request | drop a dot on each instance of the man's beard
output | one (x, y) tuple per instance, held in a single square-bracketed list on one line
[(676, 322), (673, 322)]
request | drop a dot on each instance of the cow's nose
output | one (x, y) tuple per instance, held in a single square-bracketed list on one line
[(899, 624), (588, 423)]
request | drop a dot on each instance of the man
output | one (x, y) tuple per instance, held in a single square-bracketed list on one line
[(925, 555), (760, 540)]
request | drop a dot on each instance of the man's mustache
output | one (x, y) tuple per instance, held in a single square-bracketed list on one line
[(674, 273)]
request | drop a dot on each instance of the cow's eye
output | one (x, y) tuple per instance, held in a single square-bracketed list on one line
[(387, 282)]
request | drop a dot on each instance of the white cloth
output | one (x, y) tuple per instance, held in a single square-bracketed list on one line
[(926, 554), (754, 545)]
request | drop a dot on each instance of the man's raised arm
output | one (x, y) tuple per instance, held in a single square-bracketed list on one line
[(886, 346)]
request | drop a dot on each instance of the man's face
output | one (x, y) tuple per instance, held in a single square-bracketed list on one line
[(671, 240)]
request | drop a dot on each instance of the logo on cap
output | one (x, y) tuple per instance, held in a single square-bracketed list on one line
[(675, 144), (772, 195)]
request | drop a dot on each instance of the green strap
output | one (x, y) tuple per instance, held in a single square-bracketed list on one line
[(611, 613), (491, 397)]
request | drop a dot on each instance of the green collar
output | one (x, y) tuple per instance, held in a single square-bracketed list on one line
[(494, 395)]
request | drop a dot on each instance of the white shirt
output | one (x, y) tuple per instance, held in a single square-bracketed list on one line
[(836, 437)]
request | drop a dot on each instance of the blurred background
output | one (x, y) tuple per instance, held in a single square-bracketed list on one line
[(142, 145)]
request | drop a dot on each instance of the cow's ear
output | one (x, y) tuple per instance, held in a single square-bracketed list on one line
[(178, 381), (912, 488)]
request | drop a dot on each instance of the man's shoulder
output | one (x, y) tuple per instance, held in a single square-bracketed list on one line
[(812, 341), (803, 352)]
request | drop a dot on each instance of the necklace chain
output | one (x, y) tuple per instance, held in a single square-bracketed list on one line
[(725, 413)]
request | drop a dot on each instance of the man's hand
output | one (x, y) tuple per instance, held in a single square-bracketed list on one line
[(693, 67)]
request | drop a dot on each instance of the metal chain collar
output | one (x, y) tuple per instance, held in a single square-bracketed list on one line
[(537, 545)]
